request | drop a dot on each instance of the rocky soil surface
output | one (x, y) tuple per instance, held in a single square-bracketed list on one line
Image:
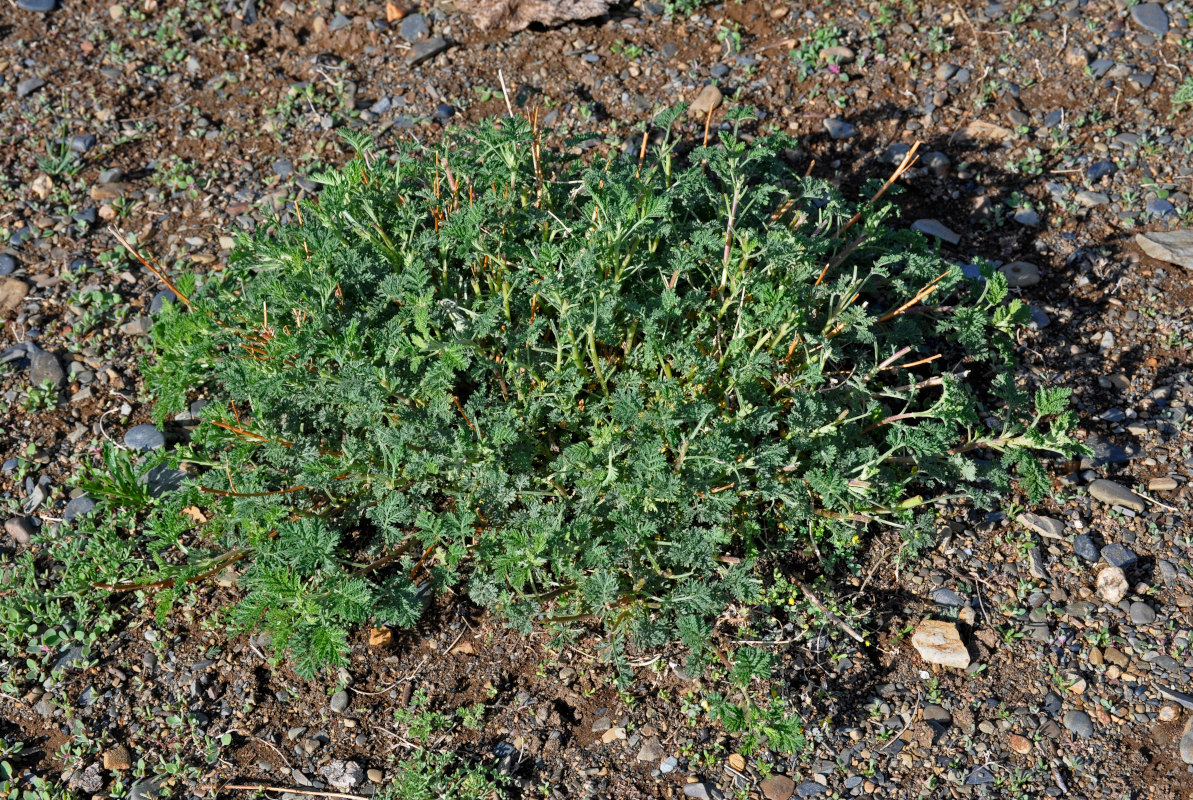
[(1056, 657)]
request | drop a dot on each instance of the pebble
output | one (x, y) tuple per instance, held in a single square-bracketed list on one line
[(932, 227), (44, 367), (668, 764), (1142, 613), (375, 775), (1019, 744), (12, 294), (20, 529), (144, 437), (1079, 723), (810, 789), (1162, 485), (1112, 585), (1100, 169), (698, 790), (1045, 526), (1084, 547), (652, 750), (79, 507), (840, 129), (980, 777), (414, 28), (118, 758), (1150, 17), (1116, 555), (339, 702), (29, 86), (947, 598), (147, 789), (1173, 247), (777, 787), (37, 5), (1088, 199), (708, 100), (1020, 274), (8, 264), (426, 49), (1116, 494), (1186, 743), (938, 642), (339, 22), (82, 142)]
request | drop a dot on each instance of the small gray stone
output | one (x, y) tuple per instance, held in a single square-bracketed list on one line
[(810, 789), (1084, 548), (1088, 199), (933, 228), (1173, 247), (160, 300), (1185, 700), (29, 86), (428, 48), (82, 142), (20, 529), (652, 750), (113, 175), (839, 128), (1079, 723), (339, 702), (79, 507), (1116, 494), (144, 437), (895, 153), (1100, 169), (1142, 614), (414, 28), (37, 5), (1027, 216), (1150, 17), (668, 764), (1116, 555), (343, 775), (698, 790), (44, 367), (1160, 207), (947, 598), (339, 22)]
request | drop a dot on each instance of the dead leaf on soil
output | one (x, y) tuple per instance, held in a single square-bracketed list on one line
[(194, 514), (516, 15)]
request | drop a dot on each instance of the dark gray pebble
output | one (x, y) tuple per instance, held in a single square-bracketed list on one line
[(414, 28), (1118, 556), (79, 507), (1084, 547)]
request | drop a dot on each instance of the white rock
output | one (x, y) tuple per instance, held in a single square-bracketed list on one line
[(1112, 585), (939, 642)]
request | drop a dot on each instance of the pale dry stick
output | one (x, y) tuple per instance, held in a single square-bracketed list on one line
[(1156, 502), (906, 725), (505, 95), (261, 787), (840, 623)]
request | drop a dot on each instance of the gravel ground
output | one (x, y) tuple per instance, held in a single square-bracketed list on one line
[(1053, 134)]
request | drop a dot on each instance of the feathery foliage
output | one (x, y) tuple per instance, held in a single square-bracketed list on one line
[(585, 393)]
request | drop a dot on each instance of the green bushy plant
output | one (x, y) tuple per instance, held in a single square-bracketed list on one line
[(586, 393)]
